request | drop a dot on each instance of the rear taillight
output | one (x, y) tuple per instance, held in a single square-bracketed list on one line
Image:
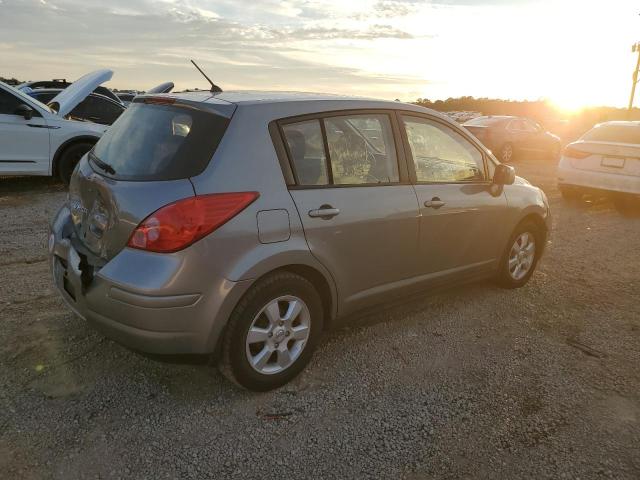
[(179, 224), (573, 153)]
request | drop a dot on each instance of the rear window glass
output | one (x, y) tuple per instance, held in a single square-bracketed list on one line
[(158, 142), (614, 133)]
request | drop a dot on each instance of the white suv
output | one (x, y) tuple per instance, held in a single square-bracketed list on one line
[(36, 139)]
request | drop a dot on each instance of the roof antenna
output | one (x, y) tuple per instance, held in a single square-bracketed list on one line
[(214, 87)]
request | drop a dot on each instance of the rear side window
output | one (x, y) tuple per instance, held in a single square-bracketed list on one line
[(354, 149), (614, 133), (159, 142), (306, 149)]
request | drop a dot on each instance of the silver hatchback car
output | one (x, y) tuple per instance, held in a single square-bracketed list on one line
[(246, 223)]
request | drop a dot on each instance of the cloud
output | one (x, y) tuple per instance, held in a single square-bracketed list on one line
[(323, 33), (148, 41), (394, 8)]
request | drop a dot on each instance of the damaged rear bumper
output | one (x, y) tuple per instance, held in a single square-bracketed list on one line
[(140, 299)]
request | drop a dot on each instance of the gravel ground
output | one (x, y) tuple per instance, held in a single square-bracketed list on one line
[(474, 382)]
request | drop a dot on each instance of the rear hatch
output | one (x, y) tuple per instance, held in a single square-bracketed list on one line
[(142, 163)]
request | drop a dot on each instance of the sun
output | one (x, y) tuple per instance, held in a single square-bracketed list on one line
[(568, 105)]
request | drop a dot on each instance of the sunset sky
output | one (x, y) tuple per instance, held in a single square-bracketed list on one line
[(572, 52)]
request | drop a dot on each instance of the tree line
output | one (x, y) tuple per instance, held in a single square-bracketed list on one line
[(567, 125)]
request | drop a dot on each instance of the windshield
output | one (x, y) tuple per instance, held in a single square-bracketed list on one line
[(614, 133), (27, 99), (158, 142)]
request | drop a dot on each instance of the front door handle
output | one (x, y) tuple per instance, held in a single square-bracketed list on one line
[(435, 202), (326, 212)]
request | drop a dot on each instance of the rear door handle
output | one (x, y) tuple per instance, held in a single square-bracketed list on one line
[(435, 202), (324, 212)]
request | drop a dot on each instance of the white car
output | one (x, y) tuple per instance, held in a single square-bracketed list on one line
[(606, 159), (38, 139)]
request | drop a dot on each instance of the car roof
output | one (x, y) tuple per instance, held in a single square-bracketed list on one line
[(286, 104), (247, 97)]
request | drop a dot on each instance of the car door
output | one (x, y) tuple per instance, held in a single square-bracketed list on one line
[(518, 135), (462, 228), (24, 144), (358, 210), (536, 140)]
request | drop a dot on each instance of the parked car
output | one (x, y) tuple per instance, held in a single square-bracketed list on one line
[(606, 160), (510, 136), (247, 222), (462, 117), (39, 139), (165, 87), (127, 97), (62, 84), (95, 108)]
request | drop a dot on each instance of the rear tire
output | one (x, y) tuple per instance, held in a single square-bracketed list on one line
[(516, 268), (258, 361), (70, 158)]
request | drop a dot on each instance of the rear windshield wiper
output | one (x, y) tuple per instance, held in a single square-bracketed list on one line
[(102, 165)]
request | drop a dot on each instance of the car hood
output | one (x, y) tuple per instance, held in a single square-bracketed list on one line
[(70, 97)]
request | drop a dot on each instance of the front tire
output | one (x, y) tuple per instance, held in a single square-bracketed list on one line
[(70, 158), (272, 332), (521, 256)]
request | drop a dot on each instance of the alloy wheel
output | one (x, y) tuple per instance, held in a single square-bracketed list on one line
[(521, 255), (278, 334)]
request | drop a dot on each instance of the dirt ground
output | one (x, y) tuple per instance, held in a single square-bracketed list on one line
[(474, 382)]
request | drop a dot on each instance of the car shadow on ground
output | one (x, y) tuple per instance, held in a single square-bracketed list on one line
[(392, 313), (627, 209), (30, 185)]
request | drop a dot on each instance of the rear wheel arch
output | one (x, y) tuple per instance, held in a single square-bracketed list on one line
[(317, 278), (65, 145), (321, 284)]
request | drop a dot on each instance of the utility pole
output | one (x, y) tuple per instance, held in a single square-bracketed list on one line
[(635, 48)]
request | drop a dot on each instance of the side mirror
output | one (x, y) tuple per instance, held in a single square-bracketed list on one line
[(504, 175), (24, 111)]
